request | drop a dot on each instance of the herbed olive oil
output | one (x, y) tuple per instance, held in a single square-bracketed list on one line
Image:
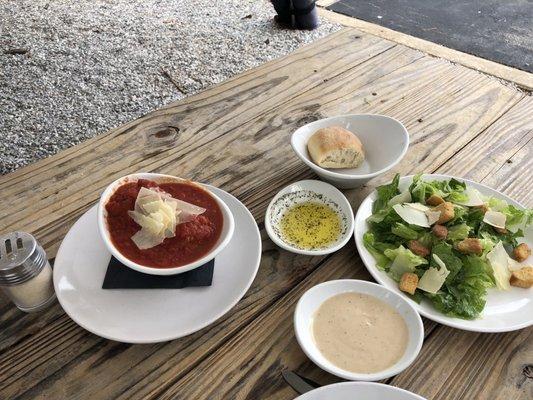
[(310, 225)]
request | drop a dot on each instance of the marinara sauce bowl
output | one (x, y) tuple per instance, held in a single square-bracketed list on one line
[(228, 225)]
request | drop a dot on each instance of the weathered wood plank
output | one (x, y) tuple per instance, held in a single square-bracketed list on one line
[(494, 150), (456, 364), (457, 105), (449, 362)]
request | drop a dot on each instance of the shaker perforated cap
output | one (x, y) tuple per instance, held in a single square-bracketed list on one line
[(21, 258)]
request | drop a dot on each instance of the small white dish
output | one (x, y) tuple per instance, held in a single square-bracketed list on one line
[(385, 141), (313, 299), (359, 391), (309, 190), (505, 310), (225, 236), (151, 315)]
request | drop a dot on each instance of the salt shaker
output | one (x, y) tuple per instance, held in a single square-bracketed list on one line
[(25, 273)]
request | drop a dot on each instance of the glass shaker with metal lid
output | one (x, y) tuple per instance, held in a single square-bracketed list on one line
[(25, 273)]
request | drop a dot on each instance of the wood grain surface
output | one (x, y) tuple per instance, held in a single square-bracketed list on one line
[(460, 121)]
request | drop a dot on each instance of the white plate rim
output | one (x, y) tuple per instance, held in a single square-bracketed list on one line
[(188, 332), (356, 385), (434, 315)]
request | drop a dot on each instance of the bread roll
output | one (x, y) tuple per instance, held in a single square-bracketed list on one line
[(335, 147)]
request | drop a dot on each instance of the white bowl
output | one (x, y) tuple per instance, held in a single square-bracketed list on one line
[(289, 196), (314, 297), (385, 141), (227, 227)]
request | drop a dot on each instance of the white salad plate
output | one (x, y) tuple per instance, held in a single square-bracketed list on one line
[(151, 315), (505, 310), (359, 391), (385, 141)]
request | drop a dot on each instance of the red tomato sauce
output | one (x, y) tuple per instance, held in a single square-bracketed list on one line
[(193, 240)]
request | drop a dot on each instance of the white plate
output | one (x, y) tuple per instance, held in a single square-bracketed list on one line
[(317, 295), (151, 315), (504, 311), (385, 141), (359, 391)]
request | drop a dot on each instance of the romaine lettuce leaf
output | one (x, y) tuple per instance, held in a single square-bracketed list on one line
[(404, 260), (404, 231), (458, 232), (385, 193), (451, 190), (377, 250), (465, 298), (453, 263)]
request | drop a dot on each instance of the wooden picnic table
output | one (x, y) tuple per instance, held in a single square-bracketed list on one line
[(236, 136)]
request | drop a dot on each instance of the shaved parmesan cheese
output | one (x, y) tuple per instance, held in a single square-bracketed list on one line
[(474, 198), (147, 222), (513, 265), (404, 197), (499, 261), (158, 213), (439, 262), (188, 210), (411, 215), (417, 206), (495, 218), (433, 216), (434, 278), (145, 240)]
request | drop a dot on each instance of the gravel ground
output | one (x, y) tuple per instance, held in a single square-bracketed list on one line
[(72, 69)]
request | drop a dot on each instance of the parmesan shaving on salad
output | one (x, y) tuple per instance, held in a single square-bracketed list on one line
[(434, 278), (495, 218)]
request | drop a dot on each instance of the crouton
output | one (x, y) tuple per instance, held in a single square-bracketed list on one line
[(522, 278), (446, 212), (440, 231), (521, 252), (409, 282), (484, 208), (470, 246), (418, 248), (434, 200)]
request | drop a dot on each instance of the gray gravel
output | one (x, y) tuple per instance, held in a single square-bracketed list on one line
[(89, 66)]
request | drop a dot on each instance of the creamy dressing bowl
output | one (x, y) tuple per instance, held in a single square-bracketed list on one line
[(310, 302)]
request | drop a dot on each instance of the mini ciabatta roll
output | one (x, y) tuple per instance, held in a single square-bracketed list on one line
[(335, 147)]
